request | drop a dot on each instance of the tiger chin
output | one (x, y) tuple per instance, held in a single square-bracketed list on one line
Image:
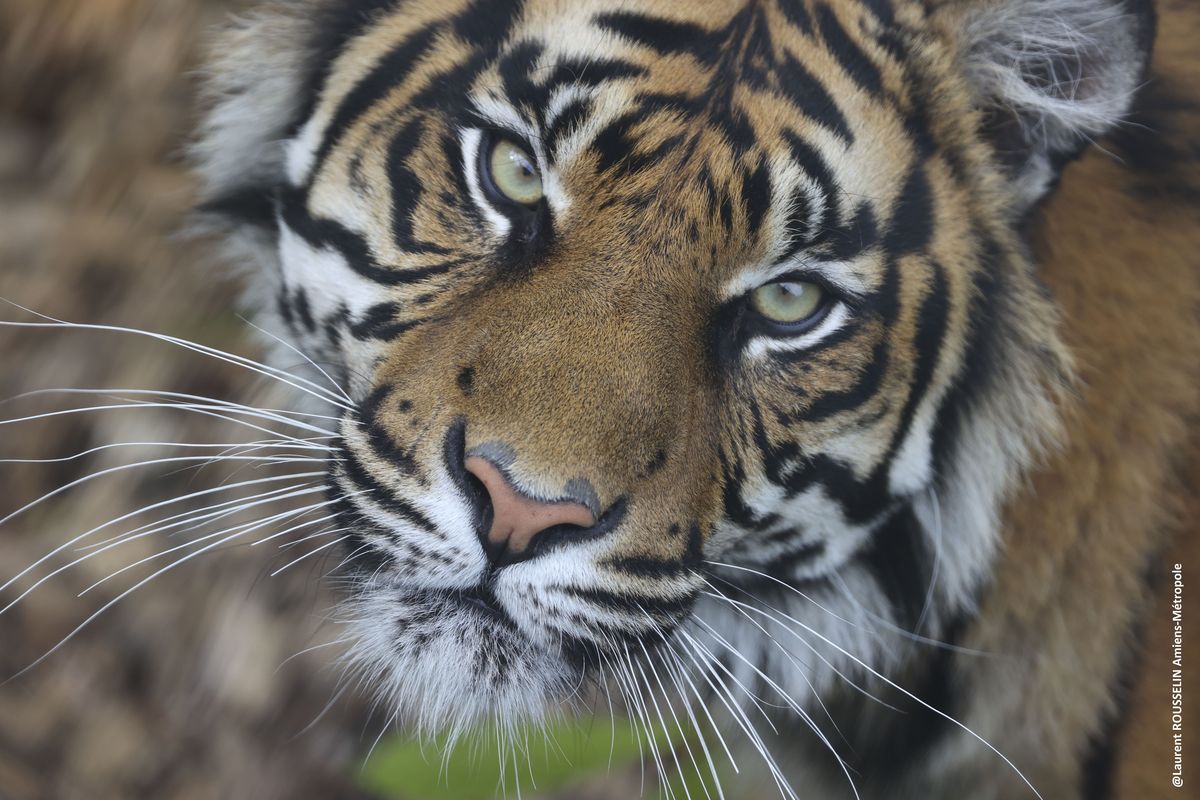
[(735, 351)]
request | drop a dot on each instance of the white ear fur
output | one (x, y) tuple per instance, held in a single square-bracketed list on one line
[(1052, 74), (252, 92)]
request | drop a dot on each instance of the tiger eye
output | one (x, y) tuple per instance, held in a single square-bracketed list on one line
[(788, 302), (514, 173)]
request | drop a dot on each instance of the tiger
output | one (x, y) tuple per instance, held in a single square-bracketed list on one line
[(797, 367)]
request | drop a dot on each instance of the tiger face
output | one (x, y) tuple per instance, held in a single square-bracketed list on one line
[(647, 310)]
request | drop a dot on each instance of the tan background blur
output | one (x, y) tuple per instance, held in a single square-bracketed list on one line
[(177, 692)]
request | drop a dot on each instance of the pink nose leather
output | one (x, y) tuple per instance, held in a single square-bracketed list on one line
[(517, 519)]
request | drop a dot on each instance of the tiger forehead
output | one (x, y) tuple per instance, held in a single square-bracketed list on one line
[(726, 132), (727, 102)]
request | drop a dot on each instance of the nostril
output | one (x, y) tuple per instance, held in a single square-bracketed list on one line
[(480, 500)]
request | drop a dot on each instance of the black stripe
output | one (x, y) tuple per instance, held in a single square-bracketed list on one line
[(380, 324), (632, 604), (910, 229), (854, 61), (811, 162), (592, 72), (488, 22), (733, 477), (756, 193), (810, 97), (928, 341), (515, 68), (385, 76), (866, 384), (357, 474), (980, 358), (665, 37), (407, 187), (849, 241), (900, 560), (336, 26), (325, 233), (644, 566), (250, 205)]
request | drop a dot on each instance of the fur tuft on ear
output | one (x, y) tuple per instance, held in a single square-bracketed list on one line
[(1050, 75)]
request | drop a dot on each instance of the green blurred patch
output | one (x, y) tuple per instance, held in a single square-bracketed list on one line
[(557, 756)]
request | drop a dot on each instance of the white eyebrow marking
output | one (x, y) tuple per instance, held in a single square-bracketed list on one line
[(471, 140), (759, 346), (837, 273)]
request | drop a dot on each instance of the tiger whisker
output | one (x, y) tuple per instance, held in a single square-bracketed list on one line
[(801, 669), (245, 527), (191, 519), (791, 702), (311, 536), (341, 390), (97, 549), (731, 704), (675, 669), (678, 725), (202, 410), (113, 470), (301, 384), (143, 510), (916, 699), (91, 618), (682, 673), (118, 445), (282, 414), (322, 548), (664, 777), (742, 607), (835, 615)]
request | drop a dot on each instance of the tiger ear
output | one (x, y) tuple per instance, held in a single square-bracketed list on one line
[(1049, 75)]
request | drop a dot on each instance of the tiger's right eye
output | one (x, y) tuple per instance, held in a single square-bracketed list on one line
[(513, 173), (790, 303)]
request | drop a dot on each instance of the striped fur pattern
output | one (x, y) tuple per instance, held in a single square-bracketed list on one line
[(847, 479)]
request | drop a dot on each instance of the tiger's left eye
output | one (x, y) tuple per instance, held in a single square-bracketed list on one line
[(789, 302), (514, 173)]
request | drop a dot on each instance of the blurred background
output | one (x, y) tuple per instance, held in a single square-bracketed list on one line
[(204, 683)]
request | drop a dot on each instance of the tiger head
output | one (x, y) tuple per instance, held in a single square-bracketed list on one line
[(645, 310)]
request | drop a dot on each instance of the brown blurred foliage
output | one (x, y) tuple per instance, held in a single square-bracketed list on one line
[(177, 691)]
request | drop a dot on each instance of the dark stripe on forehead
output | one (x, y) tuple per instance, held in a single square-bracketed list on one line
[(488, 21), (814, 166), (756, 194), (911, 227), (568, 120), (515, 69), (854, 61), (797, 13), (811, 98), (337, 24), (385, 76), (407, 188), (665, 37)]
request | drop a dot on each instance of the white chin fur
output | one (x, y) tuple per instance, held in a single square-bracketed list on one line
[(441, 667)]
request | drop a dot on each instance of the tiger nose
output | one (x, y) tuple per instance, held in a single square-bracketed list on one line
[(517, 519)]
